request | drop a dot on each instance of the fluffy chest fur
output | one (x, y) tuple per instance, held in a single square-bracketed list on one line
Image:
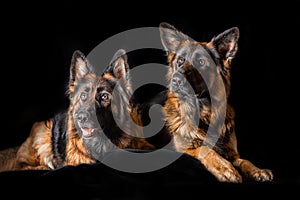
[(182, 119)]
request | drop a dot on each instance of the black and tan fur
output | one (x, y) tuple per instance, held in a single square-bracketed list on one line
[(86, 130), (196, 69), (114, 112)]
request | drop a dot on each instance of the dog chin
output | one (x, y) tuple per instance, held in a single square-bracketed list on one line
[(176, 89), (181, 92)]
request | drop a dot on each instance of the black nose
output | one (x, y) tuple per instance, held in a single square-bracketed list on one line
[(176, 81), (82, 117)]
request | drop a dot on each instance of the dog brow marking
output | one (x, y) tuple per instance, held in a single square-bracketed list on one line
[(108, 76)]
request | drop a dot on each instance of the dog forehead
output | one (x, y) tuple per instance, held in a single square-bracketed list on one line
[(105, 84), (86, 84), (189, 50)]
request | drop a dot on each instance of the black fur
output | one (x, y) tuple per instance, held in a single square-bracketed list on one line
[(59, 137)]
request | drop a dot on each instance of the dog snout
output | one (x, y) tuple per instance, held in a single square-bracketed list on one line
[(177, 80), (82, 117)]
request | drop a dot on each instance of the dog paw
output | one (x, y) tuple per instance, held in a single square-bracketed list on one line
[(225, 172), (262, 175), (221, 168)]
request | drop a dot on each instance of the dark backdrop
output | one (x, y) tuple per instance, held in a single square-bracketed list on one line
[(39, 39)]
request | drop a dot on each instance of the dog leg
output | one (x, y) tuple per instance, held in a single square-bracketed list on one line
[(222, 169), (141, 143), (252, 172), (8, 159)]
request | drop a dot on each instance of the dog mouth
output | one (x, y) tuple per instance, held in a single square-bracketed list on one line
[(87, 132)]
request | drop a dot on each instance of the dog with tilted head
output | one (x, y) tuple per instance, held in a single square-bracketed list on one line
[(197, 115), (87, 129)]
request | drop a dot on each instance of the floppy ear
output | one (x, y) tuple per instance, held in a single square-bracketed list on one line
[(78, 69), (226, 43), (118, 65), (170, 37)]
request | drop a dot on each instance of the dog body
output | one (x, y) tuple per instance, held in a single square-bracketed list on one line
[(56, 142), (86, 130), (199, 77)]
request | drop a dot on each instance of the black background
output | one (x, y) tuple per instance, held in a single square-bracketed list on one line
[(38, 40)]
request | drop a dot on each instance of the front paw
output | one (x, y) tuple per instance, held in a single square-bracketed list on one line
[(225, 172), (222, 169), (262, 175)]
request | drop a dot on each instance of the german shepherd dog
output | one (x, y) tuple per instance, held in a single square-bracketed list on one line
[(86, 130), (199, 86)]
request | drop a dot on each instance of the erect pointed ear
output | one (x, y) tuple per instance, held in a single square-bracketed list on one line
[(118, 65), (170, 37), (78, 69), (226, 43)]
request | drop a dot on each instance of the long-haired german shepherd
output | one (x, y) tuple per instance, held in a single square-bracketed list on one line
[(87, 129), (199, 86)]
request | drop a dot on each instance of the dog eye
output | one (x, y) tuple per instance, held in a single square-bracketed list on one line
[(104, 97), (180, 61), (201, 62), (83, 96)]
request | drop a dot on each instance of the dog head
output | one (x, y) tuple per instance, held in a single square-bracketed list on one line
[(113, 93), (82, 86), (100, 103), (199, 67), (91, 95)]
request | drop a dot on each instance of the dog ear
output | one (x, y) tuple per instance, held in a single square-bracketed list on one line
[(118, 65), (79, 66), (226, 43), (170, 37), (78, 69)]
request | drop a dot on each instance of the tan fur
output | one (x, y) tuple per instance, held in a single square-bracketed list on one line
[(219, 157), (7, 158), (140, 143), (77, 153), (36, 151), (216, 164), (108, 76)]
